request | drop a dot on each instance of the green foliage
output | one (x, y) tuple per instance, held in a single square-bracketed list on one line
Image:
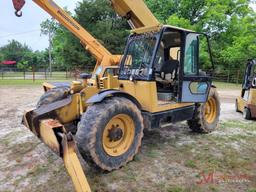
[(175, 20), (162, 9), (1, 57), (14, 51), (230, 24), (23, 55), (48, 26), (100, 20)]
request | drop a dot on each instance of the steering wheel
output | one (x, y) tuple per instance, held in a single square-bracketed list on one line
[(254, 82)]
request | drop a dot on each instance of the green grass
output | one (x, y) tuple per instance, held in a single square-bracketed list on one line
[(29, 75), (252, 190), (175, 189), (235, 123), (223, 85), (21, 82), (190, 163)]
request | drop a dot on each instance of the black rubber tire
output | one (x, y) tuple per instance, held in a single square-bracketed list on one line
[(53, 95), (247, 114), (91, 127), (198, 123)]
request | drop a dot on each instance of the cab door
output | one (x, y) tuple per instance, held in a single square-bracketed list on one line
[(194, 83)]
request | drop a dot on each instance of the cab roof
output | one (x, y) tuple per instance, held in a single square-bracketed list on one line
[(158, 28)]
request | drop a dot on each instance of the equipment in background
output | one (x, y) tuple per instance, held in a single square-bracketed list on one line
[(246, 103)]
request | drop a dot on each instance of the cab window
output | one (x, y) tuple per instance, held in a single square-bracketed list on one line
[(191, 55), (111, 71)]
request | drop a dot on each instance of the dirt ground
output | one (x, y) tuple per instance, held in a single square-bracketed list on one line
[(171, 159)]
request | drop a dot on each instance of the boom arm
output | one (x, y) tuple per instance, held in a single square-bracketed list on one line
[(101, 54), (136, 12)]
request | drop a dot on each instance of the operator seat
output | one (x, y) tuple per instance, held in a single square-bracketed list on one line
[(169, 70), (165, 82)]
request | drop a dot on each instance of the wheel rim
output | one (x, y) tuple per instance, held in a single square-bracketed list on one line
[(118, 135), (210, 110)]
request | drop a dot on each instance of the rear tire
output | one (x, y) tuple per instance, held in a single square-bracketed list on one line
[(247, 114), (206, 116), (110, 133), (52, 95)]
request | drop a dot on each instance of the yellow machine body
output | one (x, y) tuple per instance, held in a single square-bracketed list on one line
[(136, 12), (146, 93), (246, 102), (50, 122)]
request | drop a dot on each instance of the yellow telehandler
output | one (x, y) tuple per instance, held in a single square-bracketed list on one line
[(246, 102), (159, 81)]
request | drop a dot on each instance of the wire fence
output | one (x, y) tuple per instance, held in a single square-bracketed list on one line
[(229, 76), (38, 75)]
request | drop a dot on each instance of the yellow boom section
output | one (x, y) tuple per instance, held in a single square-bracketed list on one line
[(136, 12), (101, 54)]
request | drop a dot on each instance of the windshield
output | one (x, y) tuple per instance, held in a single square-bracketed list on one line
[(138, 56)]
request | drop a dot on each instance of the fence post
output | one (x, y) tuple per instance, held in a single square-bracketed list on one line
[(238, 74), (24, 74), (228, 76), (33, 71), (45, 74)]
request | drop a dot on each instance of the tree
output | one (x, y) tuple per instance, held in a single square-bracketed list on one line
[(162, 9), (101, 21), (14, 51), (1, 57), (230, 25), (49, 26), (23, 55)]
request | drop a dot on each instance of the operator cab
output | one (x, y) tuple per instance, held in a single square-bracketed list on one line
[(170, 58), (166, 65)]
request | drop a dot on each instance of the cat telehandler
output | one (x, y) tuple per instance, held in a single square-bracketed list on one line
[(159, 81), (246, 102)]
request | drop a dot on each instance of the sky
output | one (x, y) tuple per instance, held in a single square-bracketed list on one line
[(26, 29)]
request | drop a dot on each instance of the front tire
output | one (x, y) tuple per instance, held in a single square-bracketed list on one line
[(206, 116), (52, 96), (110, 133)]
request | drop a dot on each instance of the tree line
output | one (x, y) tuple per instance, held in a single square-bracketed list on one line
[(24, 56), (231, 25)]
